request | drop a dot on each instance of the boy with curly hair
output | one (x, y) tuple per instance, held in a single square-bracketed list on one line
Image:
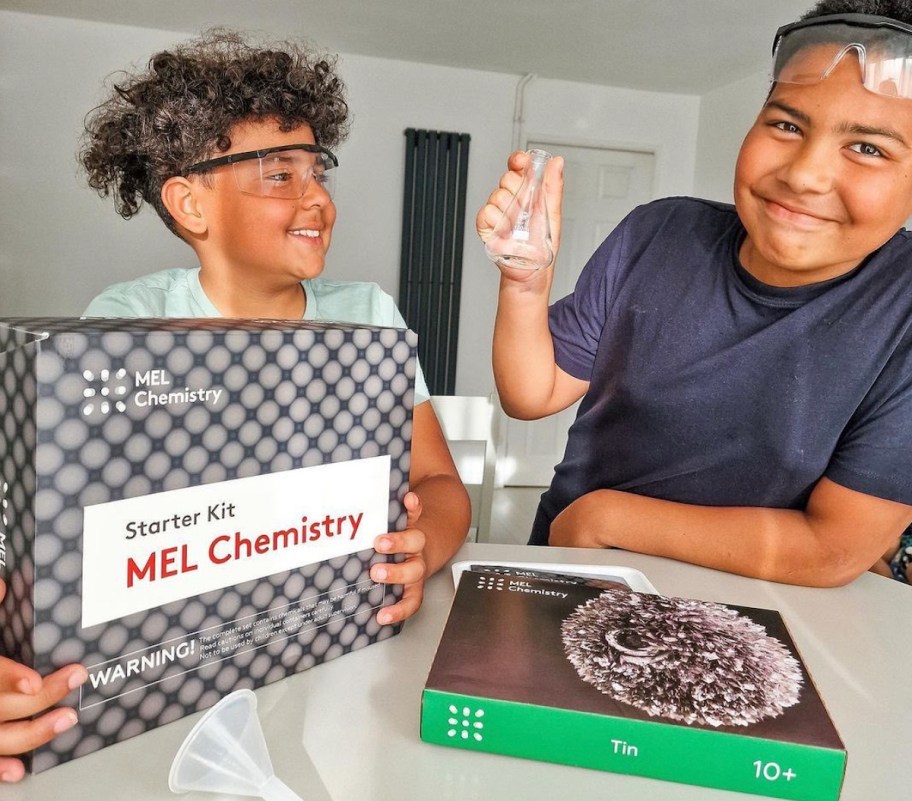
[(230, 143), (745, 371)]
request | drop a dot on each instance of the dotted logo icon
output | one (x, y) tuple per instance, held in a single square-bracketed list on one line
[(465, 723), (105, 392), (490, 582)]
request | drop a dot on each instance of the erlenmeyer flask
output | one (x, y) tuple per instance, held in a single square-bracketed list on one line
[(522, 237)]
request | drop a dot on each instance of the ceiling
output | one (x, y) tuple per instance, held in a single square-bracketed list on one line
[(682, 46)]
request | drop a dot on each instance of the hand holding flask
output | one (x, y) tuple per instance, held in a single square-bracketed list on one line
[(522, 237)]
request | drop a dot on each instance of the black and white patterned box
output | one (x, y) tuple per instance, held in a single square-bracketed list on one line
[(188, 506)]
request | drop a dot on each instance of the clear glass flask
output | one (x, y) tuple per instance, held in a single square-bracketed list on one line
[(522, 237)]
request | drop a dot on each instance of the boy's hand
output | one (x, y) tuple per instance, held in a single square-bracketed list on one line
[(489, 214), (23, 693), (411, 573)]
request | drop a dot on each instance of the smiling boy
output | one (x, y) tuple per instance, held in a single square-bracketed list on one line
[(745, 372), (229, 142)]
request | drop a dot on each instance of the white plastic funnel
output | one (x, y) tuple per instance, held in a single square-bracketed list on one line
[(226, 753)]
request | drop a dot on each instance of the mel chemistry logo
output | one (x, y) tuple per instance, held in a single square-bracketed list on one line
[(105, 392), (465, 723)]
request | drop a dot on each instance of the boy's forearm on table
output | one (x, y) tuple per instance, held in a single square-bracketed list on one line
[(775, 544)]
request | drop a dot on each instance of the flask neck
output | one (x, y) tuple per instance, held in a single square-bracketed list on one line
[(535, 171), (538, 159)]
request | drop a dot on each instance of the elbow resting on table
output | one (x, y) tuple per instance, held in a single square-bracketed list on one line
[(835, 571)]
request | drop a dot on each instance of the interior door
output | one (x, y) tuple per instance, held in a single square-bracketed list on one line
[(601, 186)]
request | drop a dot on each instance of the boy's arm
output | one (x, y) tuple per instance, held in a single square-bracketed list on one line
[(529, 382), (439, 513), (838, 536), (446, 510)]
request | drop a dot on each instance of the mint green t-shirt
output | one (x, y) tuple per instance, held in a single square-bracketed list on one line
[(178, 293)]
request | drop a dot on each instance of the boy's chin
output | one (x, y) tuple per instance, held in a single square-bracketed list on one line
[(312, 270)]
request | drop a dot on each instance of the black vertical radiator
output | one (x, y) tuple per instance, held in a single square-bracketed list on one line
[(433, 225)]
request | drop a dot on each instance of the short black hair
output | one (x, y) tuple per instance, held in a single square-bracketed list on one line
[(900, 10), (182, 107)]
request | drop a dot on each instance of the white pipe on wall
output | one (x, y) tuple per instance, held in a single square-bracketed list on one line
[(519, 110)]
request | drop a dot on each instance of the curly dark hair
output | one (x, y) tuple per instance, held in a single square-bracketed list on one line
[(894, 9), (182, 108)]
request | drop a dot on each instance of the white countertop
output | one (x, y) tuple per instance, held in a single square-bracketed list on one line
[(357, 717)]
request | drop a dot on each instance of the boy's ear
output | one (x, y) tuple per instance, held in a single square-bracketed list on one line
[(179, 196)]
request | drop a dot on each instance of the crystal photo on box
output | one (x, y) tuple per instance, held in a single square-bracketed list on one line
[(689, 661)]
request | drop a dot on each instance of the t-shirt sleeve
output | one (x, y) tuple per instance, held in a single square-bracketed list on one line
[(113, 303), (577, 321), (873, 454), (161, 294)]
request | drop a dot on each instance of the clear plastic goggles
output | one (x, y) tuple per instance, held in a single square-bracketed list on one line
[(806, 52), (281, 172)]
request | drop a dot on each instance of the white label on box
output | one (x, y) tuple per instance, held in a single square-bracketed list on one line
[(140, 553)]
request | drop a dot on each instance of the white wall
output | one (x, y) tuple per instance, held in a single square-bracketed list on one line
[(726, 115), (386, 98), (601, 116), (60, 244)]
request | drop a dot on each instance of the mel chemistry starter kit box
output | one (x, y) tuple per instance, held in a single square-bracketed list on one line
[(188, 506)]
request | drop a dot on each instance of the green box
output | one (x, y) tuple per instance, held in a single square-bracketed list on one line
[(674, 689)]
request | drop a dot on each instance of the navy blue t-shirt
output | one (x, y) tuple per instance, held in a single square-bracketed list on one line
[(710, 387)]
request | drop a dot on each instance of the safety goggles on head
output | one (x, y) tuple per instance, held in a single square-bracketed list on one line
[(882, 45), (281, 172)]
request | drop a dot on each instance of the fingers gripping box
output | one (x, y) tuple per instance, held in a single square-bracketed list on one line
[(188, 506)]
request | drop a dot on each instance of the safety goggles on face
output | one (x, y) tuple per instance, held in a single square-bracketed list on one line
[(806, 52), (281, 172)]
